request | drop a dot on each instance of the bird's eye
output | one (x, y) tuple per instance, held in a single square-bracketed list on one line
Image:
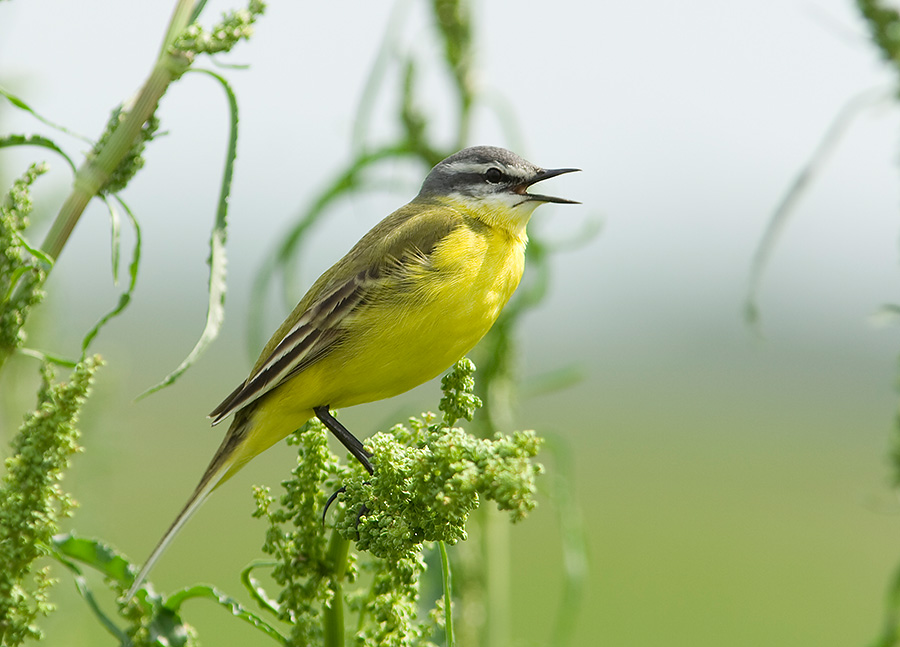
[(493, 175)]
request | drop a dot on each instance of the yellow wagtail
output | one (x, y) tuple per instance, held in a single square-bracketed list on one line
[(414, 295)]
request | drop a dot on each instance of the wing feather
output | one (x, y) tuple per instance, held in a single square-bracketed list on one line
[(406, 237), (308, 341)]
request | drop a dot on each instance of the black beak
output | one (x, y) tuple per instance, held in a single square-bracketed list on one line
[(545, 174)]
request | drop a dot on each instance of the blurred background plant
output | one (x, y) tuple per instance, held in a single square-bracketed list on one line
[(735, 490), (883, 23), (107, 169)]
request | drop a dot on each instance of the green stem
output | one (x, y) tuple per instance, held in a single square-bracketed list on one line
[(497, 578), (333, 613), (448, 608), (95, 172)]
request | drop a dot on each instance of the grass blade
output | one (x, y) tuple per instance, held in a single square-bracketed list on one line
[(796, 190), (215, 313), (115, 226), (125, 297), (21, 105)]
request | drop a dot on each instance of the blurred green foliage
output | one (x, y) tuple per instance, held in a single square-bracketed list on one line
[(429, 475)]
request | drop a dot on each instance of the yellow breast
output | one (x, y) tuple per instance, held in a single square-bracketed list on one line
[(455, 301)]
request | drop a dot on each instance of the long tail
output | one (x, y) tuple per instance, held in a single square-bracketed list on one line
[(228, 459)]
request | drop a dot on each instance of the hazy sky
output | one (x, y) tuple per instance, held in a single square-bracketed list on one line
[(689, 120)]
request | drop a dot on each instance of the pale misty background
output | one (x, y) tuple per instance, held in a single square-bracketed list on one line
[(734, 487)]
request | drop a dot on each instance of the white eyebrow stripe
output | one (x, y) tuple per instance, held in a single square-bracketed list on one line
[(469, 167), (478, 168)]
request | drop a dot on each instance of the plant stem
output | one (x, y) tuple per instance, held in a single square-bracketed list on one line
[(96, 171), (497, 578), (448, 609), (333, 613)]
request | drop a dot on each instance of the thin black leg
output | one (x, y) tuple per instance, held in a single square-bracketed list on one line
[(331, 500), (347, 439)]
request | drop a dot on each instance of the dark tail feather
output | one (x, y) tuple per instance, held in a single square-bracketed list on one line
[(223, 464)]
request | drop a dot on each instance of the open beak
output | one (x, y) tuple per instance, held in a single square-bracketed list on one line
[(545, 174)]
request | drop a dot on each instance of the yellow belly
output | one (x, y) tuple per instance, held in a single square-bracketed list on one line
[(412, 331)]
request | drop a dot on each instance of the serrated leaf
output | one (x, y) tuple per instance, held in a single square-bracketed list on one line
[(256, 590), (204, 591)]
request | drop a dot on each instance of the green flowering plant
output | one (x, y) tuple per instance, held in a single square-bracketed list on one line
[(429, 476), (32, 500)]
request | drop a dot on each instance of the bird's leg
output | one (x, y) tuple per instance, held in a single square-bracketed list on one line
[(331, 500), (347, 439), (352, 444)]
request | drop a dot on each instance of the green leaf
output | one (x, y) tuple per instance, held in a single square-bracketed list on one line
[(204, 591), (125, 297), (115, 227), (14, 277), (36, 140), (255, 589), (97, 555), (34, 251), (21, 105), (56, 360), (100, 556), (215, 313), (198, 9), (84, 590)]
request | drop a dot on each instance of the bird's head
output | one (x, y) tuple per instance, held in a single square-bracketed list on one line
[(492, 183)]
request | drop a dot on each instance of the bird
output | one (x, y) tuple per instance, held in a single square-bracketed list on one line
[(414, 295)]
